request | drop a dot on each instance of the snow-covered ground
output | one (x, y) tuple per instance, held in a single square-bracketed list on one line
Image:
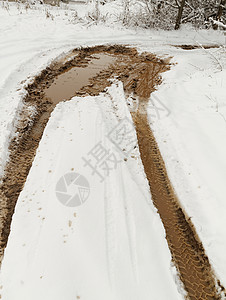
[(192, 140), (113, 247)]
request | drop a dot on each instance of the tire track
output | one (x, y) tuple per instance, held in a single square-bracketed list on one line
[(139, 74), (187, 251)]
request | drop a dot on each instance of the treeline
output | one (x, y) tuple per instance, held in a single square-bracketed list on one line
[(169, 14)]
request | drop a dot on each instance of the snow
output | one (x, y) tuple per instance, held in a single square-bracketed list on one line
[(116, 250), (192, 141), (112, 246), (218, 23), (29, 42)]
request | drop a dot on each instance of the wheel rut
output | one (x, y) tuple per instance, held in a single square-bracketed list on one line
[(91, 69)]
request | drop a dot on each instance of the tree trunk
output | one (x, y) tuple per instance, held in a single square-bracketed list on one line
[(179, 16), (97, 9), (220, 9), (126, 12), (219, 13)]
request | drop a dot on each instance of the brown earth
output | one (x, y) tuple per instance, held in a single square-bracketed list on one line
[(193, 47), (140, 75)]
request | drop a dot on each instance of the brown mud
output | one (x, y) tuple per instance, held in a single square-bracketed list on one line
[(87, 71), (193, 47)]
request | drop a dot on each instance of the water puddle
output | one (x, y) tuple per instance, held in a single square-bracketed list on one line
[(68, 84)]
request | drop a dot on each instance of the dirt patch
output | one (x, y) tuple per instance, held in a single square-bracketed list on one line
[(193, 47), (139, 74)]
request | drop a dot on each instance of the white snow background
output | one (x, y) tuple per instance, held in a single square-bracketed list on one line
[(114, 246)]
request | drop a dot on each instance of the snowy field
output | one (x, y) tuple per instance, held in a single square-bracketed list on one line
[(113, 246)]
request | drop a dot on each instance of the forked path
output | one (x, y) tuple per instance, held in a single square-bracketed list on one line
[(139, 74)]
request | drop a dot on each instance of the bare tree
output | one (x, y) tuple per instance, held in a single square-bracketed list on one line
[(220, 9), (126, 11), (97, 9), (219, 13), (179, 16)]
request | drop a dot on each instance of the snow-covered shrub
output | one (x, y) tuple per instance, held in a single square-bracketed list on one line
[(148, 14), (163, 14)]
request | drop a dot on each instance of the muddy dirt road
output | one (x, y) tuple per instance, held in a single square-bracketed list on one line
[(87, 71)]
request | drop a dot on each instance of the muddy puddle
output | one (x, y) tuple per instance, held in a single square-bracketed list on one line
[(69, 83), (87, 71)]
